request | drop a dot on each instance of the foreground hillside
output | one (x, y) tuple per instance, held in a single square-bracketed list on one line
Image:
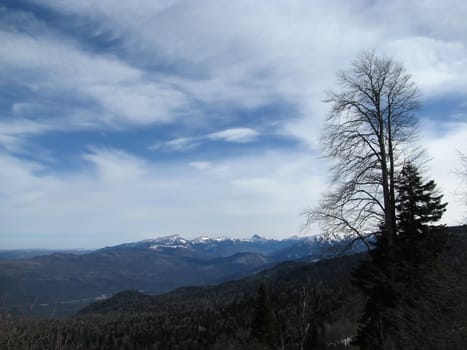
[(297, 294)]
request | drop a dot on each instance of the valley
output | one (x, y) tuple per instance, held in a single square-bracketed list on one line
[(62, 283)]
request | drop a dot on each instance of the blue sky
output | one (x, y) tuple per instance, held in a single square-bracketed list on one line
[(125, 120)]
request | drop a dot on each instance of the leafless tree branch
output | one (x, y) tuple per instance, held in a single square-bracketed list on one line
[(366, 137)]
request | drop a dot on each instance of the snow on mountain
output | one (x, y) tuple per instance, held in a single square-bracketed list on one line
[(207, 240), (295, 247), (172, 239), (201, 240), (157, 246)]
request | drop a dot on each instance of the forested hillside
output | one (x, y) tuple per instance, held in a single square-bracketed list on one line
[(62, 283), (290, 304), (296, 305)]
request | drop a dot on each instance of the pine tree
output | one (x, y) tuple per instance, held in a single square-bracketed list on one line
[(375, 277), (396, 284), (262, 326), (418, 246), (417, 204)]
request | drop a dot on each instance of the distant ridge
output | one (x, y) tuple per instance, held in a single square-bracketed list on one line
[(67, 282)]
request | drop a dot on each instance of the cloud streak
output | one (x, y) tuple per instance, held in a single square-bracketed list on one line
[(232, 135), (236, 135)]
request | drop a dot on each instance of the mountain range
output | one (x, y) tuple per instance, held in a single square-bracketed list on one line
[(301, 302), (65, 282), (13, 254)]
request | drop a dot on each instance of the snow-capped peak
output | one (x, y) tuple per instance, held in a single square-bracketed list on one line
[(201, 240), (257, 237), (172, 241), (207, 240), (171, 238)]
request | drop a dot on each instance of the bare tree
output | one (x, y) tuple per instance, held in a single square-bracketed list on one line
[(367, 134), (463, 175)]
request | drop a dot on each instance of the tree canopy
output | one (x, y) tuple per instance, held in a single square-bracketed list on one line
[(366, 135)]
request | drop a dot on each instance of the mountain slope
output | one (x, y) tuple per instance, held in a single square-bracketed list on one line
[(15, 254), (329, 273), (65, 282)]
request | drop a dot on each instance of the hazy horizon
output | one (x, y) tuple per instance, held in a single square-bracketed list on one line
[(114, 243)]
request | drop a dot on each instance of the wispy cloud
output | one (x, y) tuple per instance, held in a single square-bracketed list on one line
[(256, 56), (12, 131), (232, 135), (179, 144), (237, 135), (106, 91), (438, 66)]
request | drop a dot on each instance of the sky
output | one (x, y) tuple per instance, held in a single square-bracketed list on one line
[(126, 120)]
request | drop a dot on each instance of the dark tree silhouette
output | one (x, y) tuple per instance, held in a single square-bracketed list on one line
[(417, 203), (366, 135), (396, 284), (263, 325)]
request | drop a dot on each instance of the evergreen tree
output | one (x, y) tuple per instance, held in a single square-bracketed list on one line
[(418, 246), (375, 277), (417, 204), (396, 282), (262, 326)]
